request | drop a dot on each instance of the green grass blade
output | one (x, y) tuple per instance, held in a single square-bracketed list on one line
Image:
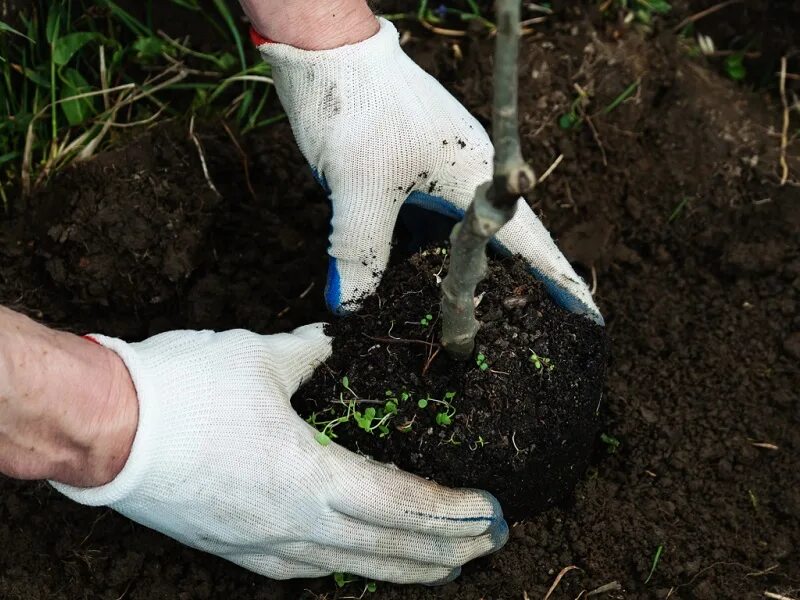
[(6, 28), (678, 210), (127, 19), (622, 97), (656, 558), (67, 46), (222, 8)]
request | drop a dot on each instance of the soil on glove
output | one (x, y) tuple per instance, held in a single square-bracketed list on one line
[(669, 203), (519, 419)]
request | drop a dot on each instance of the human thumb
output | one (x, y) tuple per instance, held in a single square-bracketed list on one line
[(298, 354)]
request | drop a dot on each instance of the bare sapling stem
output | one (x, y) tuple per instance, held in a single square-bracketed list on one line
[(495, 202)]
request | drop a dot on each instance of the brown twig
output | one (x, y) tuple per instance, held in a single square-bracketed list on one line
[(432, 354), (389, 340), (785, 125), (202, 155), (245, 165), (704, 13), (560, 575)]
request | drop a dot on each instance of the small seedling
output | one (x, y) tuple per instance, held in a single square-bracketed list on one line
[(541, 362), (479, 443), (734, 66), (753, 499), (444, 416), (452, 440), (426, 320), (626, 93), (678, 209), (480, 360), (342, 579), (656, 558), (612, 443), (643, 11)]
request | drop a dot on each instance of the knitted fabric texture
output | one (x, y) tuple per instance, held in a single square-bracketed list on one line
[(221, 462), (378, 132)]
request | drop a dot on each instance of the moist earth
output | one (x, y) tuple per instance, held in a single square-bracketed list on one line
[(518, 419), (669, 205)]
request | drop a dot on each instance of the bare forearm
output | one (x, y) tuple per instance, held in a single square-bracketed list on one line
[(311, 24), (68, 409)]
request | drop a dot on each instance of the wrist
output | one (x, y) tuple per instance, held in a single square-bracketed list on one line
[(69, 409), (312, 25)]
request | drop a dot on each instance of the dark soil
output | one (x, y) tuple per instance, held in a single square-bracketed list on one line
[(522, 426), (671, 200)]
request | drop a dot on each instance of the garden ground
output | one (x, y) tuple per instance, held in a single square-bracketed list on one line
[(669, 202)]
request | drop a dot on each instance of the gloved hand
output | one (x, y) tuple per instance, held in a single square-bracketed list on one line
[(221, 462), (380, 132)]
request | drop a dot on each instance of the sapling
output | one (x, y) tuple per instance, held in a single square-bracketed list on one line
[(495, 202)]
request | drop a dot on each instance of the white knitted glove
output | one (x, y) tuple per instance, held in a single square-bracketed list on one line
[(221, 462), (378, 132)]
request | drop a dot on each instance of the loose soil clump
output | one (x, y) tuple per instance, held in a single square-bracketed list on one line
[(519, 420)]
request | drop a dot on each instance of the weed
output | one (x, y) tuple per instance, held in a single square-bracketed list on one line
[(656, 558), (479, 443), (678, 209), (753, 499), (426, 320), (541, 362), (452, 440), (626, 93), (342, 579), (77, 69), (445, 415), (480, 360), (642, 11), (734, 66), (371, 419), (612, 443), (572, 119)]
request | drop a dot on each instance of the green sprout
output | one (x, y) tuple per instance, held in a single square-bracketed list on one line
[(734, 66), (656, 558), (426, 320), (753, 499), (479, 443), (573, 119), (445, 415), (643, 11), (343, 579), (678, 209), (612, 443), (480, 360), (452, 440), (626, 93), (372, 419), (541, 362)]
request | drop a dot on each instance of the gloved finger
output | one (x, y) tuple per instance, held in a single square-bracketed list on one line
[(370, 566), (295, 355), (369, 491), (525, 235), (360, 242), (344, 532), (278, 568)]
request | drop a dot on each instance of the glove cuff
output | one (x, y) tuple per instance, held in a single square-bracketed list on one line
[(129, 478), (374, 49)]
